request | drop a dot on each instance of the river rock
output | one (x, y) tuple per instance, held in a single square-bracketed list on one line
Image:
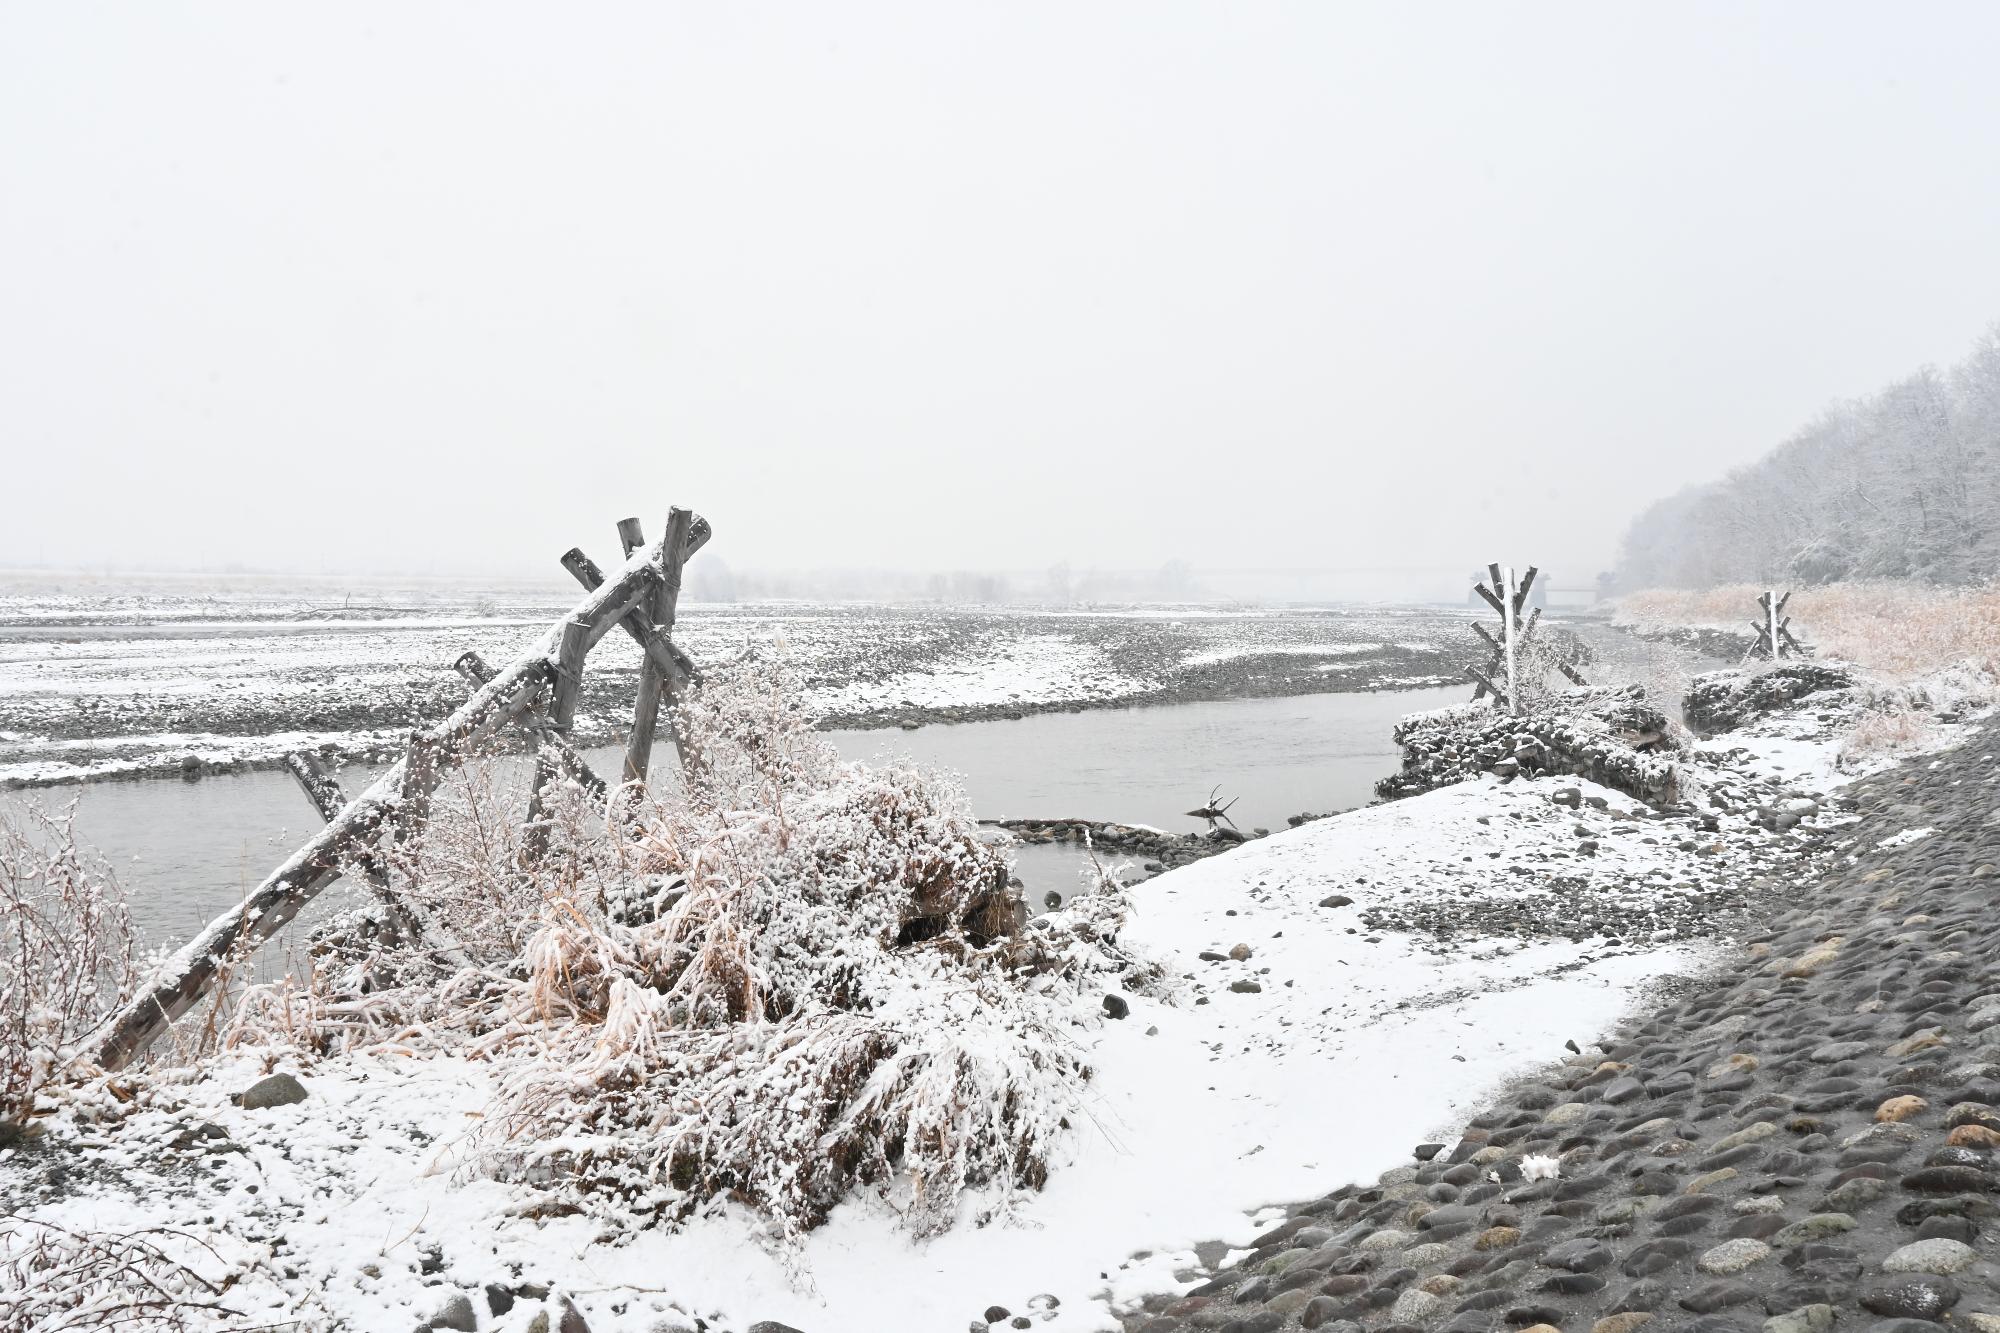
[(1930, 1256), (276, 1090)]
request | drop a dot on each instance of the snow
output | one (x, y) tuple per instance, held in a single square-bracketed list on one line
[(1215, 655), (1201, 1115), (1030, 668), (1904, 839)]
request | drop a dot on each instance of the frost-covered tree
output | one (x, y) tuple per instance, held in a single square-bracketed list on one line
[(1904, 484)]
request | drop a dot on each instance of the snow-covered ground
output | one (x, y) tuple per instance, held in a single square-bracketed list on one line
[(1321, 1057), (128, 685)]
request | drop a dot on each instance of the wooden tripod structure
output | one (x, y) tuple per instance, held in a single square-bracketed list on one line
[(1501, 678), (1774, 630), (537, 693)]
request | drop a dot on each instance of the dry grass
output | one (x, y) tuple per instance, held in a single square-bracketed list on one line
[(798, 979), (1929, 654), (1900, 632)]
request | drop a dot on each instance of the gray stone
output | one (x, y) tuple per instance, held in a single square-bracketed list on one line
[(276, 1090), (1732, 1256), (1924, 1297), (1805, 1319), (1578, 1256), (1930, 1256), (1816, 1227), (456, 1313)]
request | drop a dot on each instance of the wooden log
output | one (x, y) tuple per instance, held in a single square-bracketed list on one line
[(630, 535), (1492, 598), (421, 775), (655, 685), (180, 982), (663, 652), (572, 646), (320, 786), (416, 925), (1521, 595), (473, 667), (1499, 695)]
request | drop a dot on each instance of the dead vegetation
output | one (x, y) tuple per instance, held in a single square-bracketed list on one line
[(54, 1279), (65, 953), (796, 977), (1928, 654)]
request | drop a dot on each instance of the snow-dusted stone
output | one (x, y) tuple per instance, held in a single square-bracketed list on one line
[(456, 1313), (1388, 1238), (1414, 1306), (1938, 1255), (1733, 1256)]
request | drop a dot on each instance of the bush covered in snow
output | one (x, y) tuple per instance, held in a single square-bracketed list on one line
[(65, 953), (796, 977)]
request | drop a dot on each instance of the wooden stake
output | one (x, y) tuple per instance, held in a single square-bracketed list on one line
[(473, 667), (655, 684)]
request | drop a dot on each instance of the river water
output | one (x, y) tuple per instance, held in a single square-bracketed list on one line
[(186, 851)]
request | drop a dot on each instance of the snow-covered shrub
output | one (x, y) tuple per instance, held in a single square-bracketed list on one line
[(842, 992), (65, 952), (54, 1279)]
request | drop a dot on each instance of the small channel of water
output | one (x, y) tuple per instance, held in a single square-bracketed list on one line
[(186, 851)]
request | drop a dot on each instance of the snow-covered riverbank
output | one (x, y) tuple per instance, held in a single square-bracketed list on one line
[(1316, 1053)]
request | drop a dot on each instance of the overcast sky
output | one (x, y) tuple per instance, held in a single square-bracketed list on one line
[(425, 288)]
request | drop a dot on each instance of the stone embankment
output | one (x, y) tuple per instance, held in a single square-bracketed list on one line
[(1804, 1139), (1611, 736)]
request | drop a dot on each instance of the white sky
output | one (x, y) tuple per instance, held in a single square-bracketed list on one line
[(1250, 285)]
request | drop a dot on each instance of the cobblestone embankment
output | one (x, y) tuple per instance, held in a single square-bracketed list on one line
[(1805, 1138)]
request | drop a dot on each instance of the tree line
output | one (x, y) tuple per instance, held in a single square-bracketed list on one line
[(1902, 484)]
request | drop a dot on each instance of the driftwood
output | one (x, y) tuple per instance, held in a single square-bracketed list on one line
[(395, 804)]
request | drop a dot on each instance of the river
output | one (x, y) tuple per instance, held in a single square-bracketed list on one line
[(187, 850)]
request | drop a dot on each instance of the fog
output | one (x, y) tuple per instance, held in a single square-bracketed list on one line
[(1296, 296)]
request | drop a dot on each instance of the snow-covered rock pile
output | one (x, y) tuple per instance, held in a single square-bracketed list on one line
[(1724, 700), (1610, 736)]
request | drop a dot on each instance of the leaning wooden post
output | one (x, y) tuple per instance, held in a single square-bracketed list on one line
[(421, 775), (630, 535), (655, 684), (571, 647), (473, 667)]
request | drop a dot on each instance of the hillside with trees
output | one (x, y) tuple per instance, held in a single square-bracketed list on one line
[(1903, 484)]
